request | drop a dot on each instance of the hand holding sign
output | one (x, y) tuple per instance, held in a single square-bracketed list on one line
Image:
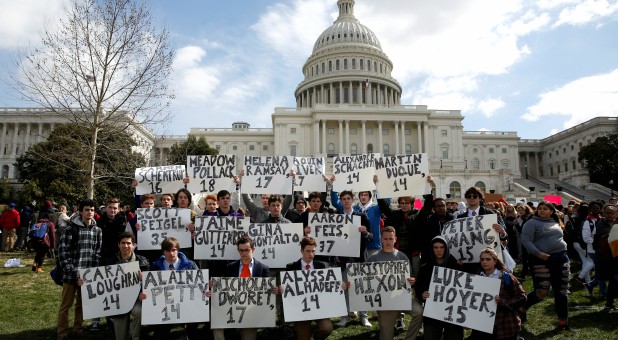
[(402, 175), (160, 179)]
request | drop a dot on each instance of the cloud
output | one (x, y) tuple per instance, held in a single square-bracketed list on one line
[(490, 106), (22, 21), (579, 100), (192, 80), (585, 12)]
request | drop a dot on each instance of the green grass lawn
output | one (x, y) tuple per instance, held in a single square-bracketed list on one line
[(30, 305)]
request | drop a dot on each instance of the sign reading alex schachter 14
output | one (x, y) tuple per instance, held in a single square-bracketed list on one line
[(109, 290), (175, 296)]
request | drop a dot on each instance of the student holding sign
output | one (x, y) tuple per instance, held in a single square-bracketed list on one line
[(512, 295), (274, 210), (386, 319), (439, 257)]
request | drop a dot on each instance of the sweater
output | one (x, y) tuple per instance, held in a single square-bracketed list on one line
[(541, 235)]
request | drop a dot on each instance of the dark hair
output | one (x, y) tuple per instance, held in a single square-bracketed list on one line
[(184, 191), (222, 193), (316, 194), (87, 203), (112, 200), (346, 192), (127, 234), (298, 198), (475, 190), (360, 192), (410, 198), (169, 243), (597, 203), (307, 241), (274, 198), (244, 240)]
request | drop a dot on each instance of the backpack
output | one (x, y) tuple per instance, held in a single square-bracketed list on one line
[(579, 237), (38, 230), (57, 274)]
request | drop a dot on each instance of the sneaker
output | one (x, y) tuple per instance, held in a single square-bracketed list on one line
[(564, 326), (589, 288), (399, 325), (39, 269), (609, 307), (343, 321), (95, 326), (364, 322)]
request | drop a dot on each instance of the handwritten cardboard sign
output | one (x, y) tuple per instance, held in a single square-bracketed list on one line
[(309, 174), (216, 237), (211, 173), (159, 179), (402, 175), (158, 223), (354, 173), (379, 285), (243, 302), (336, 234), (267, 175), (467, 237), (275, 244)]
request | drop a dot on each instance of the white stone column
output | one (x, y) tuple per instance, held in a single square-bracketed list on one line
[(324, 137), (363, 137), (39, 137), (332, 94), (340, 137), (27, 139), (347, 137), (396, 137), (350, 96), (425, 136), (14, 142), (359, 92), (381, 145), (2, 141), (316, 136), (420, 145), (403, 136)]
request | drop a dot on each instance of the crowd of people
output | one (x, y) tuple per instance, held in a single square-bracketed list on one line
[(544, 237)]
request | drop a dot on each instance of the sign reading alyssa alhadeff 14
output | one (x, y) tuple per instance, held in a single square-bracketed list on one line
[(467, 237), (309, 174), (216, 237), (211, 173), (243, 302), (312, 294), (109, 290), (175, 296), (402, 175), (336, 234), (462, 299), (354, 173), (159, 179), (155, 224), (267, 175), (379, 285), (275, 243)]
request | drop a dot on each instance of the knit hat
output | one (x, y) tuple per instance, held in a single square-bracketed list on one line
[(299, 198), (12, 205), (47, 204)]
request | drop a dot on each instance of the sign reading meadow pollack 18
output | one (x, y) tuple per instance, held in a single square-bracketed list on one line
[(175, 296), (336, 234), (216, 237), (243, 302), (110, 290), (211, 173), (275, 244), (158, 223), (462, 299), (402, 175), (379, 285), (309, 174), (468, 236), (267, 175), (159, 179), (312, 294), (354, 173)]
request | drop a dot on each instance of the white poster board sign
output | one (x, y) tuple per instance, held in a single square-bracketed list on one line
[(211, 173), (155, 224), (312, 294), (216, 237), (309, 174), (267, 175), (336, 234), (354, 173), (175, 296), (379, 285), (275, 244), (110, 290), (159, 179), (467, 237), (402, 175), (243, 302), (462, 299)]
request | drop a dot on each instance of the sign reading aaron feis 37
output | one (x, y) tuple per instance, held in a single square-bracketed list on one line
[(267, 175), (159, 179), (211, 173), (336, 234)]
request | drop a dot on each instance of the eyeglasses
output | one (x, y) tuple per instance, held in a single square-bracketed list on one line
[(472, 196), (240, 250)]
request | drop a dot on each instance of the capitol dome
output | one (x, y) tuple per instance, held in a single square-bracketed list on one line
[(347, 66)]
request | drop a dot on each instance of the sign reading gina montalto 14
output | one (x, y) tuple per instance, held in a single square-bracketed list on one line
[(402, 175), (267, 175), (159, 179), (211, 173), (275, 243)]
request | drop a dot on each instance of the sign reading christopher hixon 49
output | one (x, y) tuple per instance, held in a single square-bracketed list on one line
[(402, 175), (379, 285), (109, 290), (267, 175), (354, 173), (462, 299), (336, 234), (158, 223), (312, 294), (175, 296), (159, 179), (243, 302), (211, 173)]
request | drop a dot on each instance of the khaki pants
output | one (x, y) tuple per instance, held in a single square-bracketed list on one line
[(70, 292), (386, 322), (8, 239), (124, 323), (303, 329), (246, 333)]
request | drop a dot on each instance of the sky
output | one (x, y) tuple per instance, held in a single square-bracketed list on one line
[(535, 67)]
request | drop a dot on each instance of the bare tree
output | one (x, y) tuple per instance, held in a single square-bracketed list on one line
[(106, 64)]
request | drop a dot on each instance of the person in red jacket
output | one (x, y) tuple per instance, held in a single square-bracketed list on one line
[(9, 221)]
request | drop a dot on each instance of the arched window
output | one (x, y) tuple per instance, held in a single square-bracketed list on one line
[(331, 149), (354, 64), (337, 64), (345, 64), (368, 65), (5, 171), (330, 65), (360, 62), (385, 150), (369, 148), (323, 67), (408, 149), (353, 149), (476, 164), (455, 189), (481, 185)]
